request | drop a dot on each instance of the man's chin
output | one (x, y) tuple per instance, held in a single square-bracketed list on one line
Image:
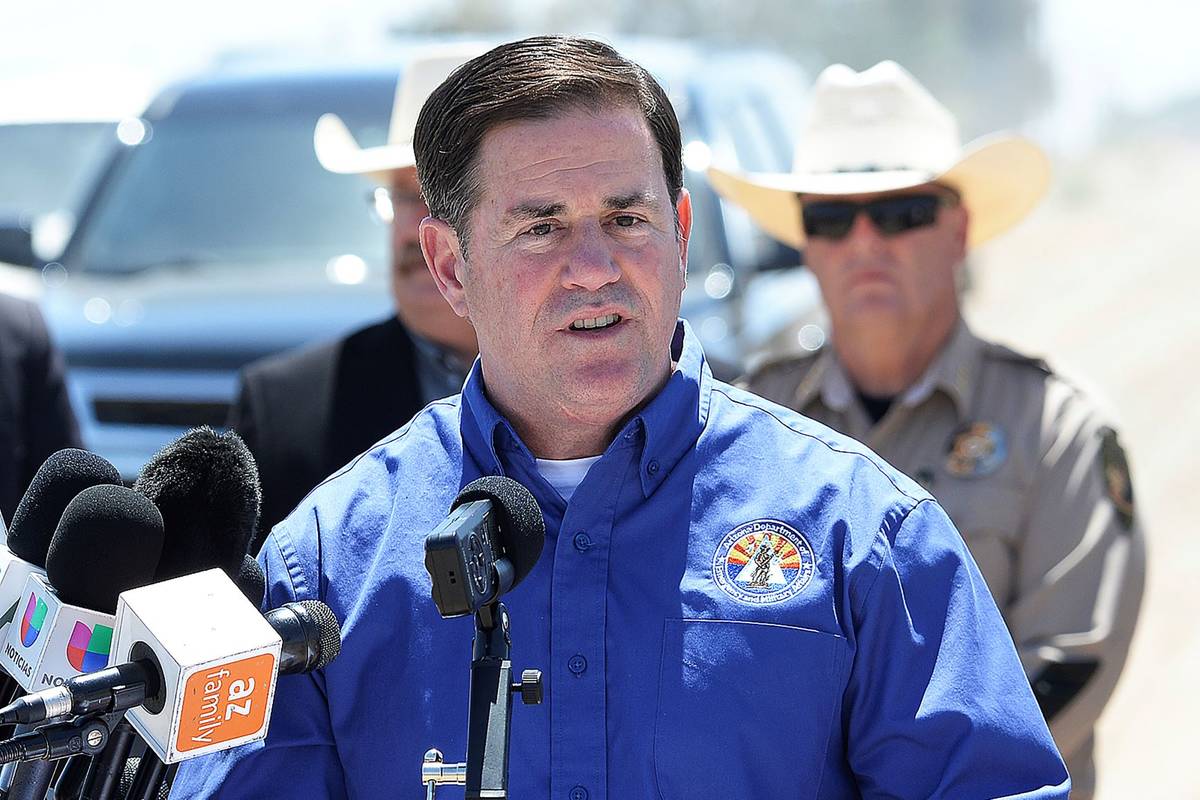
[(610, 387), (875, 302)]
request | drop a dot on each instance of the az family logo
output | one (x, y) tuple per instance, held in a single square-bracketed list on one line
[(87, 650), (35, 617)]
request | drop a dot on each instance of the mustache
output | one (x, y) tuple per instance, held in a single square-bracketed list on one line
[(612, 294)]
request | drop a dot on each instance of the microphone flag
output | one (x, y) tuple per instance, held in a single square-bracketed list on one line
[(218, 656), (49, 641)]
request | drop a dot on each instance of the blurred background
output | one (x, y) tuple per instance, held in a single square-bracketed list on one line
[(160, 198)]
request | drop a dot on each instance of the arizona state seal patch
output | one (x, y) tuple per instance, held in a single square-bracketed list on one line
[(976, 450), (762, 562)]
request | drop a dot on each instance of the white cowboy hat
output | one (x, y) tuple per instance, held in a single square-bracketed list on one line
[(336, 147), (879, 131)]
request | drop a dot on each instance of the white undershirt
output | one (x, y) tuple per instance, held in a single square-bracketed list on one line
[(566, 475)]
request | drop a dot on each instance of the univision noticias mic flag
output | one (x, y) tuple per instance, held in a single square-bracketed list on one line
[(49, 641), (14, 575)]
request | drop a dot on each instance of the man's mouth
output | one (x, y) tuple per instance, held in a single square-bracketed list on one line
[(596, 323)]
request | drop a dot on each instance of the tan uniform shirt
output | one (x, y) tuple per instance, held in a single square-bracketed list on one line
[(1038, 486)]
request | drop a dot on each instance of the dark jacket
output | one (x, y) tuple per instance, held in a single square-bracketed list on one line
[(308, 412), (35, 411)]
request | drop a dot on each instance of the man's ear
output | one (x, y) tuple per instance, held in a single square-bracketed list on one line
[(443, 256), (683, 213), (962, 222)]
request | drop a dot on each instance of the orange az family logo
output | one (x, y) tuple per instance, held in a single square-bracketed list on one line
[(225, 702)]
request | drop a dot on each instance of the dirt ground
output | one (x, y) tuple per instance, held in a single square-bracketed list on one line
[(1104, 280)]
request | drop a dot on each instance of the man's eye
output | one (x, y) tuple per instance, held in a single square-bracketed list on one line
[(626, 221), (541, 229)]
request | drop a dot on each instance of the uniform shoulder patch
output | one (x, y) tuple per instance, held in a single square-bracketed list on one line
[(763, 562), (1115, 472)]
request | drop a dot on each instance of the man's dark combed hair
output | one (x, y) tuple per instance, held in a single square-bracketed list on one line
[(535, 78)]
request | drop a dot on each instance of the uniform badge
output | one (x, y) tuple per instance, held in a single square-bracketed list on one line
[(1116, 476), (976, 450), (764, 561)]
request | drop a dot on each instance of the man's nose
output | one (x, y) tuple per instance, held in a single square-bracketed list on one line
[(590, 264), (864, 236)]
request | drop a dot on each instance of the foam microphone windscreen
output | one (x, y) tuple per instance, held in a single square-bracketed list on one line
[(251, 580), (62, 476), (109, 540), (206, 486), (522, 531)]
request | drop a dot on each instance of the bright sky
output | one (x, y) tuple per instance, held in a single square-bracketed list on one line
[(1108, 57), (99, 58)]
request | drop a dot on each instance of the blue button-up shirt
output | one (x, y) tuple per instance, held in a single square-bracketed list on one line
[(736, 603)]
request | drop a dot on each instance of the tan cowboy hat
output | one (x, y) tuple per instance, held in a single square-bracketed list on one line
[(878, 131), (336, 147)]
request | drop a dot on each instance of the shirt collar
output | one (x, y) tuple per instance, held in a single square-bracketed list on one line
[(666, 428), (953, 371)]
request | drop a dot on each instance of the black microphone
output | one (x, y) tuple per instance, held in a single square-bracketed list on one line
[(311, 639), (107, 540), (60, 478), (63, 475), (490, 541), (206, 486)]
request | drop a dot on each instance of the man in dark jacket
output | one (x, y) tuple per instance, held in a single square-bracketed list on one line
[(306, 413), (35, 412)]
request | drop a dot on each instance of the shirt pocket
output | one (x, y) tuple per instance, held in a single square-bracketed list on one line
[(744, 709)]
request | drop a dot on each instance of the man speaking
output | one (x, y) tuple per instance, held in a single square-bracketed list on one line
[(733, 601)]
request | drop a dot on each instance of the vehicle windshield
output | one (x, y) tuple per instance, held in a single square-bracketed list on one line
[(227, 190), (44, 166)]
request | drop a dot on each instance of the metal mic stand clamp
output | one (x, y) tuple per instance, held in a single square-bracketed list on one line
[(86, 735), (485, 772)]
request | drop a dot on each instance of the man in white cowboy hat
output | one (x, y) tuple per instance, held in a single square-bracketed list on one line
[(304, 414), (886, 203)]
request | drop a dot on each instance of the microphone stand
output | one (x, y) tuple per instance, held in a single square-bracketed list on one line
[(70, 781), (104, 776), (489, 718)]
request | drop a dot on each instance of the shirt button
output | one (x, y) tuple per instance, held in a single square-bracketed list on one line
[(583, 542), (578, 793), (652, 467), (578, 665)]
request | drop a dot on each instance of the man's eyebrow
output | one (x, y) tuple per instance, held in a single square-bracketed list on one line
[(638, 198), (525, 211)]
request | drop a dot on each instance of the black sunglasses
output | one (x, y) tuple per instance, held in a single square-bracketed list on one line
[(833, 219)]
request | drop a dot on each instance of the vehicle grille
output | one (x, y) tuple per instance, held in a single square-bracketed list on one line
[(178, 414)]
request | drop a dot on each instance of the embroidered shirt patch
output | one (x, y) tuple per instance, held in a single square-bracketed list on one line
[(762, 562)]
